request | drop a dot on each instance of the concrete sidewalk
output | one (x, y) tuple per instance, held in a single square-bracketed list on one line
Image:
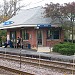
[(44, 49)]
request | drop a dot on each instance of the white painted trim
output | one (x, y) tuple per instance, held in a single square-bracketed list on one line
[(17, 26)]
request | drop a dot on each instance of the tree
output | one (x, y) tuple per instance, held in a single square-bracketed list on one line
[(9, 9), (2, 36), (11, 6), (68, 11), (65, 12)]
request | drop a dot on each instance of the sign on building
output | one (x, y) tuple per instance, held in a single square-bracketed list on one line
[(8, 22)]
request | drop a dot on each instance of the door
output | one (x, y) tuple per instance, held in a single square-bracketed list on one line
[(39, 37), (13, 37)]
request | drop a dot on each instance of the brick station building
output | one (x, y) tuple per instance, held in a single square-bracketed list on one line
[(34, 28)]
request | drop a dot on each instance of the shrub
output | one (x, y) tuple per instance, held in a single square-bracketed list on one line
[(64, 48)]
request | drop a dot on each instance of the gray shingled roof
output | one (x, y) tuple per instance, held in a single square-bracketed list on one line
[(27, 18)]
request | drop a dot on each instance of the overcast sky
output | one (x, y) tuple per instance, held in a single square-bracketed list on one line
[(34, 3)]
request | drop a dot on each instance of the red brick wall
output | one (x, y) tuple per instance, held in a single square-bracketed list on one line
[(44, 37), (53, 42), (33, 34), (17, 33), (32, 37), (56, 41)]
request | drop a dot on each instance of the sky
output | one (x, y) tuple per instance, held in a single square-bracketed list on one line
[(35, 3)]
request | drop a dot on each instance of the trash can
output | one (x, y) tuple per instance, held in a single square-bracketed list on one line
[(29, 46)]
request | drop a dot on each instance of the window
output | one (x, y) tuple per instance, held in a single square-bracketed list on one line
[(53, 34), (56, 34), (25, 35), (49, 34)]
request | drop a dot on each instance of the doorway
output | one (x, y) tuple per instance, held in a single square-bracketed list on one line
[(13, 37), (39, 38)]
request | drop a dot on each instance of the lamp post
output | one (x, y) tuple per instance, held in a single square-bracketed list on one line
[(73, 64), (5, 52), (20, 59), (37, 46)]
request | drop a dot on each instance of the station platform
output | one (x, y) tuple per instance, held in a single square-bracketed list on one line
[(40, 51)]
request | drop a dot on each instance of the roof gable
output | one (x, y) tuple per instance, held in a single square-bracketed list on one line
[(28, 17)]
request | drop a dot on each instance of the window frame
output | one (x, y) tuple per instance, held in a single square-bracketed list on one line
[(25, 35), (52, 35)]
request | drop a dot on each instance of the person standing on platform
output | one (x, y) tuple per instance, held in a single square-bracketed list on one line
[(18, 42), (21, 43)]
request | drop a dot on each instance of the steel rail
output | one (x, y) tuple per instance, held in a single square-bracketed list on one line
[(15, 71), (65, 66)]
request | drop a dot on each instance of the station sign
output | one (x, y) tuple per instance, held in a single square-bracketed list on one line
[(8, 22), (43, 25)]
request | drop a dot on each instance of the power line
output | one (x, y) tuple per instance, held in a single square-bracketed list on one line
[(30, 3), (38, 2)]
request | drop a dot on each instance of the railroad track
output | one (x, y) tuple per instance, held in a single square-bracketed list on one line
[(17, 72), (62, 66)]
